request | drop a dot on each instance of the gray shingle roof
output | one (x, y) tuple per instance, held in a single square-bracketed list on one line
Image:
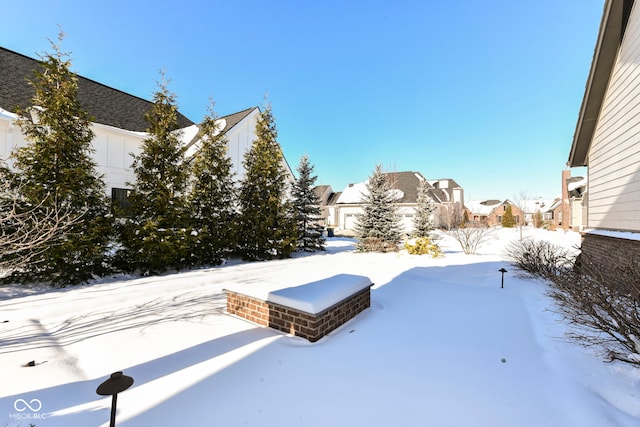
[(104, 104), (235, 118), (408, 183)]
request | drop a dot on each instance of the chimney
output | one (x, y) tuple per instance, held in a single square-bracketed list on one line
[(565, 207)]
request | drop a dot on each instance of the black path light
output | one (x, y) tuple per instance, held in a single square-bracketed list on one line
[(502, 270), (115, 384)]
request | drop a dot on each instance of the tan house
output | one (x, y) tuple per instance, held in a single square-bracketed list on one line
[(343, 208), (607, 138)]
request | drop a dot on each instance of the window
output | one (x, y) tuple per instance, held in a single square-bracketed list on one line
[(120, 202)]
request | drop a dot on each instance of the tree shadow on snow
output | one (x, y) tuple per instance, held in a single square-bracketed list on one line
[(79, 404), (76, 328)]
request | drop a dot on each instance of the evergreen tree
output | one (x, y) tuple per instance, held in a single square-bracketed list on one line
[(378, 227), (212, 199), (423, 219), (306, 206), (508, 220), (155, 238), (57, 173), (538, 220), (265, 227)]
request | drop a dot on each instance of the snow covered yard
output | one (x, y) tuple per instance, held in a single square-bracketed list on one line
[(441, 345)]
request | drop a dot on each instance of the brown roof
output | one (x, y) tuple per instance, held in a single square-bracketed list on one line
[(104, 104)]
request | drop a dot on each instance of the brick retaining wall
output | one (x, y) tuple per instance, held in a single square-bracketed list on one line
[(293, 321)]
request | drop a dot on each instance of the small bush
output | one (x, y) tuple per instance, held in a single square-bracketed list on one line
[(604, 312), (471, 236), (423, 246), (376, 244), (539, 258)]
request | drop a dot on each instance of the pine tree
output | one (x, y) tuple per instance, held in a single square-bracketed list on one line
[(155, 238), (57, 172), (306, 206), (508, 221), (212, 199), (378, 227), (423, 219), (538, 220), (265, 227)]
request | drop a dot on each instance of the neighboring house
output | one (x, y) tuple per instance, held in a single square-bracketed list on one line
[(325, 195), (451, 197), (344, 212), (531, 207), (117, 122), (607, 140), (490, 212)]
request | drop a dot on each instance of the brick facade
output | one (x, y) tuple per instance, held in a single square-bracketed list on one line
[(292, 321), (612, 254)]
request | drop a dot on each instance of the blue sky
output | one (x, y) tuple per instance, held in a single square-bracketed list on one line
[(484, 92)]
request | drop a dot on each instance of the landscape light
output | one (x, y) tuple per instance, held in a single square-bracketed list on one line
[(502, 270), (115, 384)]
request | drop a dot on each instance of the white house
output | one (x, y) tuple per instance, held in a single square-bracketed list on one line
[(344, 208), (118, 123)]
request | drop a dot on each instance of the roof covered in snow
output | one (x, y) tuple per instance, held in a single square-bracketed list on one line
[(104, 104), (485, 207), (404, 187)]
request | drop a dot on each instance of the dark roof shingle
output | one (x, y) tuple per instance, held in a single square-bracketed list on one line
[(104, 104)]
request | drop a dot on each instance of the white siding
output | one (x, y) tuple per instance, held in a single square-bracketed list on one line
[(614, 157), (239, 139)]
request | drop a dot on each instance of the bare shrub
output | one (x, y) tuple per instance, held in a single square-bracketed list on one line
[(539, 258), (27, 231), (376, 244), (471, 236), (603, 312)]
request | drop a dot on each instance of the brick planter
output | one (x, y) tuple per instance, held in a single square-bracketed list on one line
[(310, 311)]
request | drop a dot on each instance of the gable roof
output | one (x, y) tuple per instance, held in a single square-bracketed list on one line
[(444, 188), (612, 27), (405, 183), (482, 207), (104, 104), (233, 119)]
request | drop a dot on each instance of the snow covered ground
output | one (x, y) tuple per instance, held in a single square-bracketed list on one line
[(441, 345)]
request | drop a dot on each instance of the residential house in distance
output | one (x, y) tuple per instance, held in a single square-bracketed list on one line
[(327, 199), (569, 211), (490, 212), (452, 201), (118, 124), (607, 141), (343, 208)]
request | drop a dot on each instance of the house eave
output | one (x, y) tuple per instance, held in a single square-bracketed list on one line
[(612, 27)]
